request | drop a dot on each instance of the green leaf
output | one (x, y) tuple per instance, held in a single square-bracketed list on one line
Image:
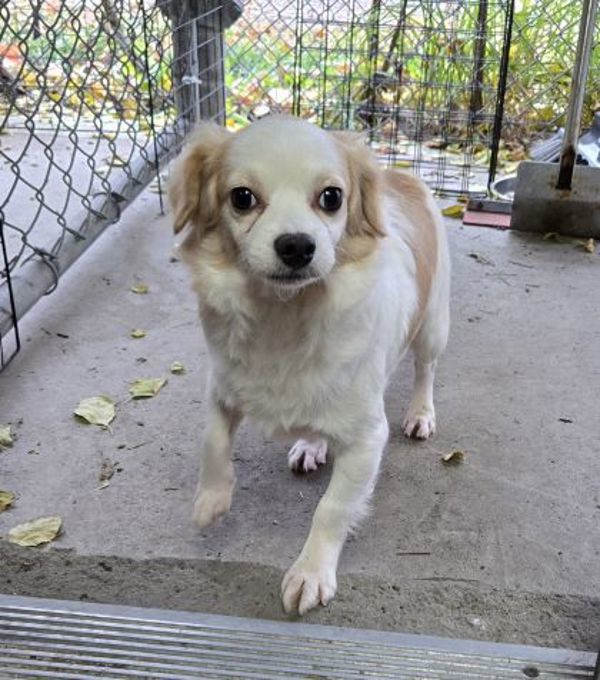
[(138, 333), (140, 288), (177, 368), (146, 387), (6, 437), (36, 532), (456, 211), (96, 410)]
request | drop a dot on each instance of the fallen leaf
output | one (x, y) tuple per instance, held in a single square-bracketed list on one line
[(455, 211), (403, 164), (146, 387), (6, 499), (107, 470), (6, 437), (138, 333), (96, 410), (140, 288), (551, 236), (454, 457), (36, 532), (177, 368), (589, 246)]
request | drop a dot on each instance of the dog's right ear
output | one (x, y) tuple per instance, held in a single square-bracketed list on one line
[(193, 188)]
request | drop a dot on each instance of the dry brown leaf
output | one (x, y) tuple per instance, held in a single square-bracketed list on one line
[(35, 532), (454, 457), (7, 498), (146, 387)]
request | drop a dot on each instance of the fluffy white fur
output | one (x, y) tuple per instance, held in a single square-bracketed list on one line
[(310, 358)]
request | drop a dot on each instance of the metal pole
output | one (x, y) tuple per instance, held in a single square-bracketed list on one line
[(585, 41)]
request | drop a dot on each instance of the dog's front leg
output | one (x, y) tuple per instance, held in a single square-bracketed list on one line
[(312, 578), (217, 478)]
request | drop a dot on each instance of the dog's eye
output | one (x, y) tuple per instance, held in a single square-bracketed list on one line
[(243, 199), (330, 199)]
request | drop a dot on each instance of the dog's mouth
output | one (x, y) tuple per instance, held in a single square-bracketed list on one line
[(292, 279)]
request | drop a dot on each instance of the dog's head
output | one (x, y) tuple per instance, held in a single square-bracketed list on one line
[(288, 200)]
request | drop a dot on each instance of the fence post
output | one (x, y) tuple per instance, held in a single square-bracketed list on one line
[(198, 56)]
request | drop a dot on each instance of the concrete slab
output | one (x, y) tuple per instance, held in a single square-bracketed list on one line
[(504, 546)]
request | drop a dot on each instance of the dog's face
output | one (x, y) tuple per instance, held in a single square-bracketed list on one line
[(285, 197)]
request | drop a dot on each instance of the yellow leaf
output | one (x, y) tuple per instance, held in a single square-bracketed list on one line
[(140, 288), (96, 410), (456, 211), (454, 457), (6, 437), (403, 164), (589, 246), (146, 387), (551, 236), (6, 499), (36, 532), (177, 368), (138, 333)]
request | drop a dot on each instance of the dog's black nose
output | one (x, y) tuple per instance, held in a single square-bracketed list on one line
[(295, 250)]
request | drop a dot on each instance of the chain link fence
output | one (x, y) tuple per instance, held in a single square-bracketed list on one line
[(96, 97)]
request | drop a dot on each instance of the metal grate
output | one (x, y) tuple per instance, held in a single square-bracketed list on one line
[(56, 639)]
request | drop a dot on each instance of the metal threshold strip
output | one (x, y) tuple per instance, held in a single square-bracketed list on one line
[(60, 639)]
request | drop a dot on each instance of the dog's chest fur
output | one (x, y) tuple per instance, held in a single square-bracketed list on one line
[(308, 364)]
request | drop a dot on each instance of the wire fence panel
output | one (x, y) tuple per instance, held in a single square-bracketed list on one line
[(94, 98), (423, 77)]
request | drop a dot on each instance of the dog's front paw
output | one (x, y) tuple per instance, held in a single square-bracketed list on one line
[(419, 424), (211, 503), (306, 585), (306, 455)]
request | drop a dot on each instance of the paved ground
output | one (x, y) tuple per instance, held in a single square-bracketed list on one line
[(504, 546)]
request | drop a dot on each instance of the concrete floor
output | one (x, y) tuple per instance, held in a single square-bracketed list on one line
[(505, 546)]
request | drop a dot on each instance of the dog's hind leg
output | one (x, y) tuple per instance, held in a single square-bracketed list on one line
[(312, 579), (428, 344), (306, 455), (217, 478)]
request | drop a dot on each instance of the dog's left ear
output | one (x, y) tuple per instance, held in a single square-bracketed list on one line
[(364, 200), (194, 183)]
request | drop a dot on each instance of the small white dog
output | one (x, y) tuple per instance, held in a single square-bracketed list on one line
[(315, 270)]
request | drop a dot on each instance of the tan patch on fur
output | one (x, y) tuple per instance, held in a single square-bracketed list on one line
[(194, 187), (365, 225), (413, 198)]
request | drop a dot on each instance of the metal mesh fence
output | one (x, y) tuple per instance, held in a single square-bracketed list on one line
[(94, 98), (97, 96), (424, 77), (542, 54)]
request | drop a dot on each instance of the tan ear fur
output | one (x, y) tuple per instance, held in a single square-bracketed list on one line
[(194, 184), (365, 196)]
